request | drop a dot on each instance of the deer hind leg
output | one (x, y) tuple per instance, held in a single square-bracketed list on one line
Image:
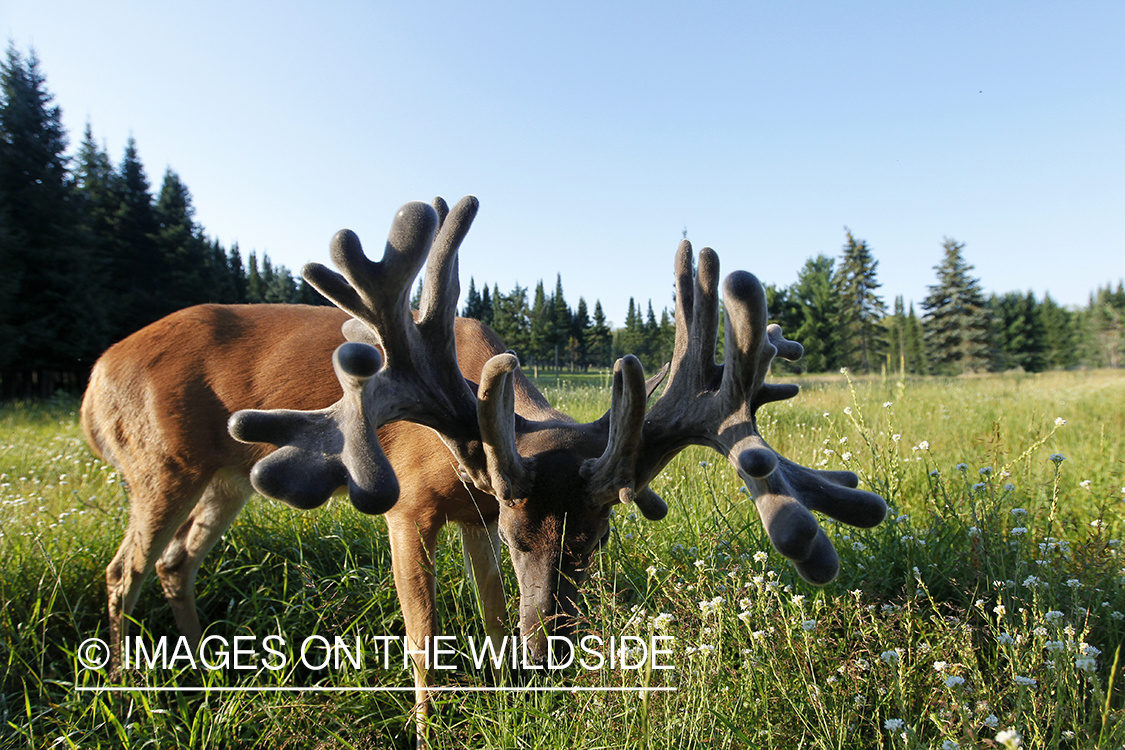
[(178, 566), (153, 519), (481, 548), (412, 558)]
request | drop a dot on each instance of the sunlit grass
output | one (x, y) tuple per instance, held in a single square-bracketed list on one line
[(991, 599)]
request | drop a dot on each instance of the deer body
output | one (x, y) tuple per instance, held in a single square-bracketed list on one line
[(157, 409)]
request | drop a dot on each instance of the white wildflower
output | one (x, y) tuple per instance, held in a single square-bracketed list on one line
[(1009, 738), (893, 725)]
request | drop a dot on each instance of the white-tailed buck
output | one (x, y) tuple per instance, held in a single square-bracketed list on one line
[(429, 420)]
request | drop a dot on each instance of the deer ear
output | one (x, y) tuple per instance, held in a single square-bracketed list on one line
[(321, 451)]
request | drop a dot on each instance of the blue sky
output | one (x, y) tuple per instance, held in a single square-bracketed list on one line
[(593, 135)]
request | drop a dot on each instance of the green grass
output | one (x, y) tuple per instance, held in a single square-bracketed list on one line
[(992, 598)]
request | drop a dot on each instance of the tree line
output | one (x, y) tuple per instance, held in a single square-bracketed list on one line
[(836, 312), (89, 253)]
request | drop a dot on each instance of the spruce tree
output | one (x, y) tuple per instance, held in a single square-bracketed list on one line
[(255, 287), (1019, 334), (957, 322), (486, 306), (473, 307), (815, 298), (600, 338), (1060, 334), (50, 306), (578, 327), (861, 309), (137, 266), (540, 332), (1105, 327), (186, 257), (917, 361)]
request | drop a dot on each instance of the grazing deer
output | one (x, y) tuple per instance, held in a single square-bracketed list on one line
[(461, 435)]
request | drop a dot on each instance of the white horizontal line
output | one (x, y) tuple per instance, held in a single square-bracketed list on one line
[(330, 689)]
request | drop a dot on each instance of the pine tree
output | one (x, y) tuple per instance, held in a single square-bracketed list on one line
[(957, 320), (861, 309), (186, 257), (540, 325), (815, 297), (600, 338), (473, 305), (486, 307), (255, 286), (1105, 327), (137, 267), (50, 311), (578, 327), (1019, 334), (511, 321), (1060, 334), (917, 361), (238, 275)]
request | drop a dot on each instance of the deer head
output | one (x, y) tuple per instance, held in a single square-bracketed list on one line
[(557, 480)]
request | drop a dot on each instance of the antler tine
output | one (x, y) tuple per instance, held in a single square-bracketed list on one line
[(323, 450), (613, 473), (697, 410), (696, 317)]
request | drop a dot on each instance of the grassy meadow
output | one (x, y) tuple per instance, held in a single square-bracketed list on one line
[(991, 599)]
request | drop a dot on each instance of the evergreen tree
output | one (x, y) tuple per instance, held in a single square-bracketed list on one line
[(957, 320), (1105, 327), (281, 287), (50, 317), (917, 361), (238, 275), (474, 307), (599, 338), (486, 307), (815, 297), (255, 286), (186, 257), (1019, 334), (1060, 334), (861, 309), (560, 316), (221, 280), (896, 337), (511, 321), (540, 341), (137, 267), (631, 338), (579, 324)]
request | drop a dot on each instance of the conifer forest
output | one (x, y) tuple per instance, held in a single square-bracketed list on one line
[(91, 250)]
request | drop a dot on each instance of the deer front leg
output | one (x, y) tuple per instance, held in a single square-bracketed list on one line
[(481, 546), (413, 541)]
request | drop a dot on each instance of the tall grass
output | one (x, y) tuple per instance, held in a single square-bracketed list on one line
[(991, 599)]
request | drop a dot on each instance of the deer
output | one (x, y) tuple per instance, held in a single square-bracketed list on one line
[(426, 418)]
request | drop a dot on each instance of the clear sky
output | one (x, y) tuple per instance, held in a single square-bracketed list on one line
[(594, 133)]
